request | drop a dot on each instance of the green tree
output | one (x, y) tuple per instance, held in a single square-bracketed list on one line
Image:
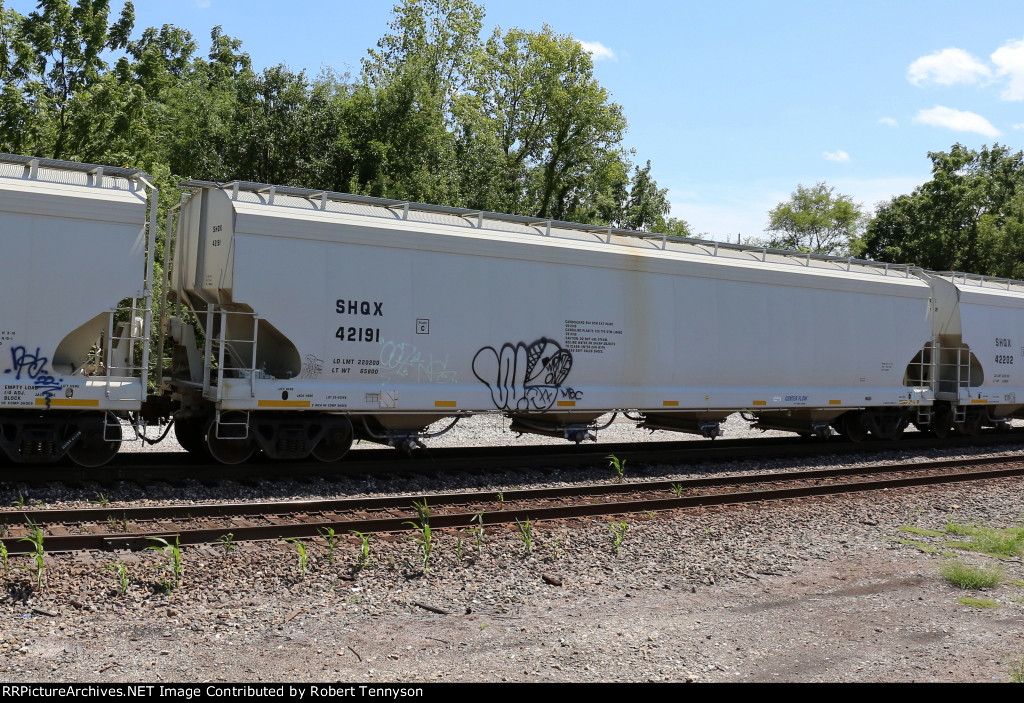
[(968, 217), (558, 134), (66, 45), (815, 219)]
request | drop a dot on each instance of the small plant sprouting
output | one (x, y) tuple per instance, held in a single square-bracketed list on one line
[(101, 500), (121, 570), (423, 537), (332, 542), (35, 538), (172, 553), (364, 549), (619, 465), (525, 530), (227, 542), (303, 556), (478, 531), (458, 547), (501, 497), (19, 502), (556, 549), (618, 534), (4, 558), (677, 489), (116, 525)]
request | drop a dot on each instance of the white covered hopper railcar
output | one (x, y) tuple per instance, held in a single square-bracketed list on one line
[(327, 315), (72, 357)]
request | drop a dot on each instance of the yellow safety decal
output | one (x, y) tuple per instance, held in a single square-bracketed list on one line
[(979, 400), (566, 403), (69, 402), (760, 402), (284, 403), (444, 403), (672, 403), (835, 402)]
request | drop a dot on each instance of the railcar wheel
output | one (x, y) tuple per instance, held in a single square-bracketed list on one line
[(226, 449), (191, 434), (894, 432), (940, 425), (93, 449), (335, 443), (851, 426), (970, 427)]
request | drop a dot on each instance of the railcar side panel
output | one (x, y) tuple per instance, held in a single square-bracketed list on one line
[(395, 316)]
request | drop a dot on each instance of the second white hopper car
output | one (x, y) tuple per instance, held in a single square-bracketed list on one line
[(327, 316)]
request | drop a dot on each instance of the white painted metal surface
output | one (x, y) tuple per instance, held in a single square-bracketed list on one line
[(73, 245), (992, 321), (371, 309)]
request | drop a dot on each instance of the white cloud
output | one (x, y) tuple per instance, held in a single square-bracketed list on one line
[(1009, 61), (840, 156), (1018, 126), (957, 120), (947, 67), (202, 4), (889, 122), (598, 50)]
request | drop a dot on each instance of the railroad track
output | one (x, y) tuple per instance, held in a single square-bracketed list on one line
[(110, 528), (179, 467)]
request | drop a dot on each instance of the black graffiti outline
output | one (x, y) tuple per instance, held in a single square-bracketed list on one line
[(34, 367), (523, 376), (312, 367)]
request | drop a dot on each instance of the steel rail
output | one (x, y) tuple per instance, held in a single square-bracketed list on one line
[(177, 466), (63, 543)]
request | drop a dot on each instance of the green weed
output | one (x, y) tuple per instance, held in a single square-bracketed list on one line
[(116, 525), (982, 603), (919, 531), (970, 577), (677, 490), (619, 465), (923, 546), (424, 536), (173, 564), (364, 549), (35, 538), (1017, 670), (618, 530), (332, 541), (999, 543), (227, 542), (121, 570), (101, 500), (525, 532), (303, 556), (478, 531)]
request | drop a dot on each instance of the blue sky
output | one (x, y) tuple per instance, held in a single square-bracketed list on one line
[(735, 103)]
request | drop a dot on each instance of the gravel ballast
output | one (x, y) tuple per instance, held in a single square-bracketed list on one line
[(825, 589)]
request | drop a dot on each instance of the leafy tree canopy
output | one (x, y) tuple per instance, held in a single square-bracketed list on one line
[(815, 219), (968, 217)]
